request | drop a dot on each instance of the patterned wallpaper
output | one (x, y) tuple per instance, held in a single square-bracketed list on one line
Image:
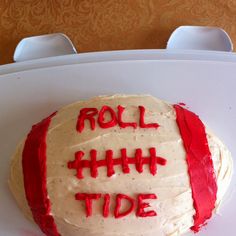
[(95, 25)]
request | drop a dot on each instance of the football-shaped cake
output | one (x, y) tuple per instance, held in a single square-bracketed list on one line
[(120, 166)]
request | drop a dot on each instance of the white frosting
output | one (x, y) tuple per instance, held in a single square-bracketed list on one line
[(174, 205)]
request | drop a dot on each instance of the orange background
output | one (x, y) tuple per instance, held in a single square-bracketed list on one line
[(96, 25)]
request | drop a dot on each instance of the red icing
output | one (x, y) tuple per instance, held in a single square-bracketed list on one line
[(78, 157), (123, 124), (106, 205), (101, 119), (200, 165), (153, 166), (142, 205), (119, 198), (139, 160), (124, 161), (142, 122), (86, 114), (110, 162), (34, 170), (93, 163), (88, 200), (90, 113), (123, 206)]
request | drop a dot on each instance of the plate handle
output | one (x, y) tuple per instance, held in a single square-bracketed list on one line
[(200, 38), (42, 46)]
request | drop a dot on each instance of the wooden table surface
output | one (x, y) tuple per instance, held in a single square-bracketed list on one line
[(97, 25)]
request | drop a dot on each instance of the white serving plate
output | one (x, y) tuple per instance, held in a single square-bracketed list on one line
[(207, 87), (124, 55)]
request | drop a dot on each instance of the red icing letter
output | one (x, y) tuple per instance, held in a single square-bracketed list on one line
[(141, 120), (88, 200), (124, 124), (86, 113), (119, 197), (106, 205), (101, 120), (142, 205)]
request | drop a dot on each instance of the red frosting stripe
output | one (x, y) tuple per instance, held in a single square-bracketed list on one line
[(200, 165), (34, 170)]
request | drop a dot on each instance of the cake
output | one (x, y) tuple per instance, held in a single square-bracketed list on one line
[(120, 166)]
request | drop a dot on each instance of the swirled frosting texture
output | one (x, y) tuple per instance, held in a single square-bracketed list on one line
[(171, 184)]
